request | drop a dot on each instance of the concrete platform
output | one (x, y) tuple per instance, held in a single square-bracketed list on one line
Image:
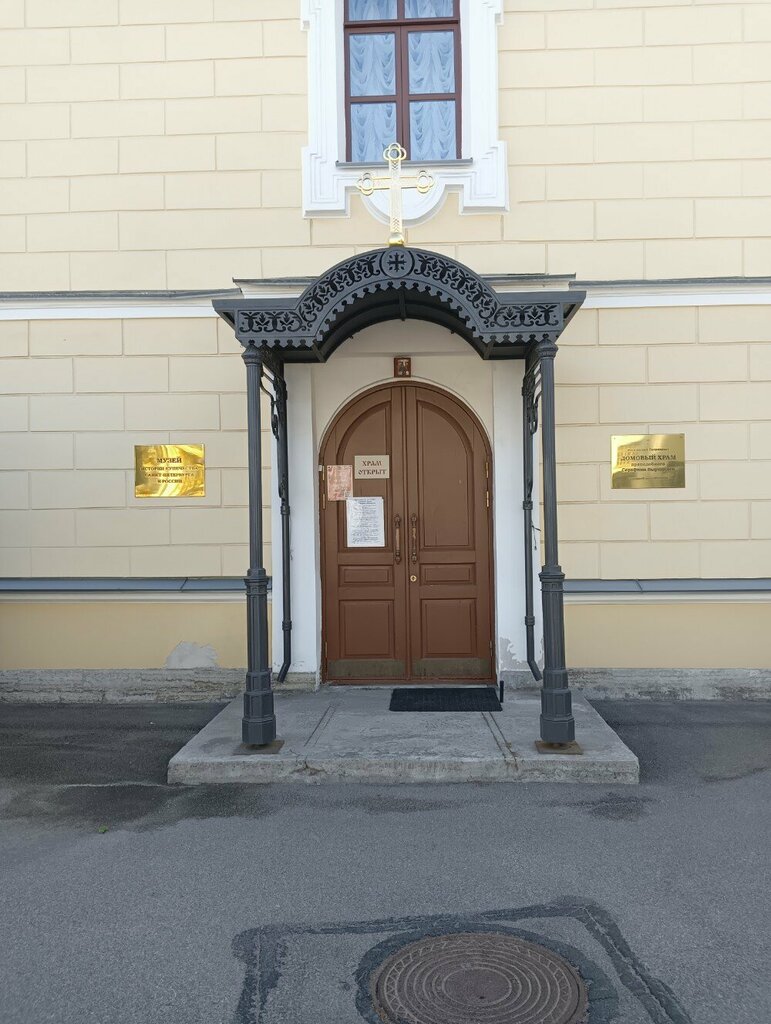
[(349, 735)]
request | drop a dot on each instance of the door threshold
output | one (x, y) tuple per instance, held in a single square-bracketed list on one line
[(379, 683)]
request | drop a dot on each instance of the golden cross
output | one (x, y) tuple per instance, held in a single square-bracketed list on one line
[(394, 155)]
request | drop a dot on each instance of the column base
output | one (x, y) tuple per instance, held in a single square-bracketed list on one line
[(557, 730), (257, 732), (557, 722), (271, 748), (557, 748), (258, 726)]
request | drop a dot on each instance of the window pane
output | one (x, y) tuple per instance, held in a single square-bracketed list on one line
[(371, 10), (432, 62), (373, 64), (429, 9), (373, 127), (432, 130)]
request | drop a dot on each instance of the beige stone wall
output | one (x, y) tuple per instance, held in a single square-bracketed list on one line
[(157, 144), (75, 397), (705, 372)]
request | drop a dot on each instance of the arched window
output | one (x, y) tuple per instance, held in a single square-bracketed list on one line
[(402, 79)]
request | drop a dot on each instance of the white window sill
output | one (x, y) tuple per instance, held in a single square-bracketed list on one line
[(408, 165)]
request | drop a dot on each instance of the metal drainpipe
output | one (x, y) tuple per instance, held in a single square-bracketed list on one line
[(528, 428), (283, 491)]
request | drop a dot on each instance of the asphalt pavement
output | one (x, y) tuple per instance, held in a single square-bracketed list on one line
[(125, 900)]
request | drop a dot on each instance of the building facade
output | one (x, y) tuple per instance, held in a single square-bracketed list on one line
[(152, 154)]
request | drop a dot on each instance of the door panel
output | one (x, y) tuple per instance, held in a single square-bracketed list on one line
[(421, 609), (448, 627), (361, 575), (365, 631), (443, 479), (449, 603), (447, 574)]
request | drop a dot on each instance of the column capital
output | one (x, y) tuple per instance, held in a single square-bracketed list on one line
[(252, 355), (546, 348)]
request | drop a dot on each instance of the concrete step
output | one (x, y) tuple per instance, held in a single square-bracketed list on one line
[(349, 735)]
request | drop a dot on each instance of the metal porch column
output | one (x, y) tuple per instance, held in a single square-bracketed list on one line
[(557, 723), (258, 727), (529, 427)]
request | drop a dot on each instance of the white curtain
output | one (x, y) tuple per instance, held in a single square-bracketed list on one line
[(429, 9), (371, 10), (373, 127), (432, 130), (373, 64), (432, 62)]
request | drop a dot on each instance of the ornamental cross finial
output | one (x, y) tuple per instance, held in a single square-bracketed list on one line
[(394, 155)]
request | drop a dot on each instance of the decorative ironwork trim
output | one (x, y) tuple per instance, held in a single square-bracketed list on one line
[(393, 283)]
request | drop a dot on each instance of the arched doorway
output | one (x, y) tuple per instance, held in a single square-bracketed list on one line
[(412, 600)]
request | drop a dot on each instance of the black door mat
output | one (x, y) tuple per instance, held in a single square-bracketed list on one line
[(445, 698)]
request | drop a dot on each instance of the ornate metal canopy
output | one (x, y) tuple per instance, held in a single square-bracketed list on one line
[(399, 284), (389, 284)]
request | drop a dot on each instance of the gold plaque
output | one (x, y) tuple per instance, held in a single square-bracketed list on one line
[(647, 460), (169, 471)]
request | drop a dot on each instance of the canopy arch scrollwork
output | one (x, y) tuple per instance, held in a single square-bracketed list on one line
[(399, 283)]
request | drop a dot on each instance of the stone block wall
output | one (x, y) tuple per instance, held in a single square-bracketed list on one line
[(702, 371), (158, 145), (77, 395), (69, 420)]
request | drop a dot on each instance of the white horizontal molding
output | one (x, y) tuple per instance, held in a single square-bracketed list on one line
[(598, 296), (642, 297), (680, 597), (126, 597), (237, 597), (480, 179), (101, 310)]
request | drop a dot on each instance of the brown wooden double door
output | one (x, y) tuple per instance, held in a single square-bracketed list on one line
[(418, 607)]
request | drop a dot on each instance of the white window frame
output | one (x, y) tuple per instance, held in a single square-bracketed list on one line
[(480, 176)]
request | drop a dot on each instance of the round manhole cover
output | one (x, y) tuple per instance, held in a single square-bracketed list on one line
[(478, 978)]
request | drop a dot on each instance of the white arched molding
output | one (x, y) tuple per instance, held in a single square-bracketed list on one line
[(480, 177)]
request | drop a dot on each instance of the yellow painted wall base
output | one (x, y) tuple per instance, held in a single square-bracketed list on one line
[(111, 634), (676, 634), (115, 634)]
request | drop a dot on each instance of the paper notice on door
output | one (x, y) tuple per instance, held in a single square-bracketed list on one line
[(365, 523), (339, 482)]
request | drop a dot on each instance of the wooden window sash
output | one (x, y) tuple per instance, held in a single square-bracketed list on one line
[(401, 27)]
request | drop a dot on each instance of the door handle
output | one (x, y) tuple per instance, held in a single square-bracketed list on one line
[(414, 536), (398, 541)]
